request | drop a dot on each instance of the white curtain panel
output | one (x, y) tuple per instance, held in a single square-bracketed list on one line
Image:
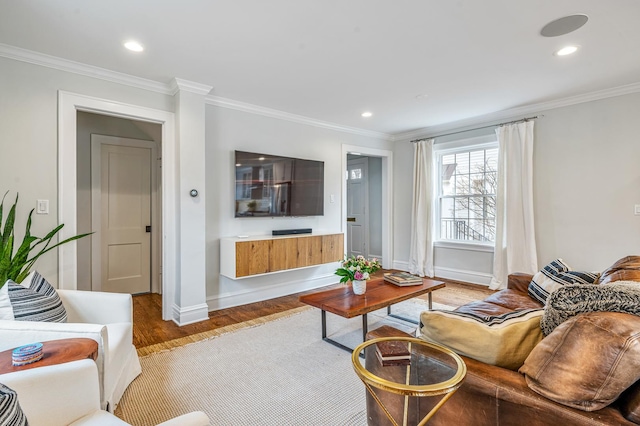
[(515, 247), (421, 254)]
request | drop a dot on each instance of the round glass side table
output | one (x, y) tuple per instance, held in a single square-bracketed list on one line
[(431, 371)]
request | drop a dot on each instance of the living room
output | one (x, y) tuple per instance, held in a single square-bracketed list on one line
[(584, 138)]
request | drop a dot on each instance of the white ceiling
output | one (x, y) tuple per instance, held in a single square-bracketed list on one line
[(331, 60)]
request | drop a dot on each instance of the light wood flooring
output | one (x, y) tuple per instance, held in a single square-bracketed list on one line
[(150, 329)]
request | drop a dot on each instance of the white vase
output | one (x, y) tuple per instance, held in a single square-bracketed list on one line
[(359, 287)]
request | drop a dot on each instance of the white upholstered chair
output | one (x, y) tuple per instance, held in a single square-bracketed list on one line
[(68, 394), (106, 318)]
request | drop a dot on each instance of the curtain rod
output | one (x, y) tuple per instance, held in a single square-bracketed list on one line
[(478, 128)]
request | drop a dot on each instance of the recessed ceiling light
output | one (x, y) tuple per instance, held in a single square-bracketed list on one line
[(421, 96), (366, 114), (261, 158), (564, 25), (238, 164), (568, 50), (134, 46)]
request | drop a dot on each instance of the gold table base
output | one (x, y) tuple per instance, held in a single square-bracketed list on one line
[(371, 381)]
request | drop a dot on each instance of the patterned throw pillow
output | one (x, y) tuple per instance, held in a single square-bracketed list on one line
[(10, 411), (555, 275), (36, 300)]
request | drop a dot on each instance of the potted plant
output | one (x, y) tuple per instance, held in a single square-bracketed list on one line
[(16, 266), (358, 270)]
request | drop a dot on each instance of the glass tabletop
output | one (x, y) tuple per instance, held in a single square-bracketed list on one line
[(428, 370)]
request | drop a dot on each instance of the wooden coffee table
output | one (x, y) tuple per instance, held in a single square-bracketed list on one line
[(54, 352), (380, 294)]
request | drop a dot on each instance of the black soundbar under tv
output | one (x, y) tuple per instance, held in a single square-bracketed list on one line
[(291, 231)]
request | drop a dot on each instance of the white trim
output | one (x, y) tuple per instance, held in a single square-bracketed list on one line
[(463, 245), (171, 88), (281, 115), (466, 144), (179, 84), (387, 196), (68, 105), (464, 276), (256, 294), (190, 314), (56, 63), (400, 265), (96, 206), (519, 112)]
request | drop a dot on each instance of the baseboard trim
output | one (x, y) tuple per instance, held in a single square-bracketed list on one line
[(190, 314), (258, 294), (403, 266), (472, 277)]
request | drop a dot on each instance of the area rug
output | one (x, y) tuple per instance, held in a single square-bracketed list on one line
[(277, 373)]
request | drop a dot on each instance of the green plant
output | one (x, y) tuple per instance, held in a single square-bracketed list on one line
[(357, 268), (16, 266)]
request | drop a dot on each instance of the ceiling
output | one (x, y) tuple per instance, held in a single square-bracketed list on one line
[(412, 63)]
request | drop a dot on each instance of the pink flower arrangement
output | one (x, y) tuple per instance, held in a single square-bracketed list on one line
[(357, 268)]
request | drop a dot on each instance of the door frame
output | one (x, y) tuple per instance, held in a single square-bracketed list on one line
[(387, 196), (96, 206), (365, 161), (68, 106)]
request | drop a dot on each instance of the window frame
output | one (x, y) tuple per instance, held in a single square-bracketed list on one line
[(455, 147)]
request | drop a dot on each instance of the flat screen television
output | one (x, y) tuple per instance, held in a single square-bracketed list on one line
[(275, 186)]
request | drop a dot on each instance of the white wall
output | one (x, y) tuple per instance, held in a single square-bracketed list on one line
[(29, 136), (228, 130), (586, 182)]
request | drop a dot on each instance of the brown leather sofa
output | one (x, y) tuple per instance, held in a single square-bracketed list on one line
[(493, 395)]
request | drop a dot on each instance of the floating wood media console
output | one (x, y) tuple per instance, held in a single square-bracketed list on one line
[(246, 257)]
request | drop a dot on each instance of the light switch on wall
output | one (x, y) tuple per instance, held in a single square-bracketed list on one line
[(332, 198), (42, 207), (636, 210)]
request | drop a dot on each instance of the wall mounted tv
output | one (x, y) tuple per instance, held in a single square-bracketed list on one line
[(273, 186)]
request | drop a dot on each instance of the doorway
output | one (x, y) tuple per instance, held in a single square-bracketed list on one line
[(364, 205), (96, 132), (125, 253)]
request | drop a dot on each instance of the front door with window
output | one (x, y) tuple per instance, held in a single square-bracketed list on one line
[(357, 207)]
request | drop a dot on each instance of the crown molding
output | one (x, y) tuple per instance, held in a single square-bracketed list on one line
[(512, 113), (54, 62), (171, 88), (274, 113), (179, 84)]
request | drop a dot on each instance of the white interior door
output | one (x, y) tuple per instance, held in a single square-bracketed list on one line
[(357, 207), (122, 191)]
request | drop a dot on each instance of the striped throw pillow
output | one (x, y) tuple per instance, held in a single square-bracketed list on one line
[(10, 411), (36, 300), (555, 275)]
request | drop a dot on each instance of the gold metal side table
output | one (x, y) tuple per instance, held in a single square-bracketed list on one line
[(434, 370)]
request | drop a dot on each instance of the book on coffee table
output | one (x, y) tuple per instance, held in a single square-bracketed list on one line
[(402, 278), (393, 353)]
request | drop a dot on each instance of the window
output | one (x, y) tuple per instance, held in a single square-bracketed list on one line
[(466, 194)]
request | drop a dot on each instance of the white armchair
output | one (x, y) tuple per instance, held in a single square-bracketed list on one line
[(106, 318), (68, 394)]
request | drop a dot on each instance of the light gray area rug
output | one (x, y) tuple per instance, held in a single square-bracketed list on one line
[(277, 373)]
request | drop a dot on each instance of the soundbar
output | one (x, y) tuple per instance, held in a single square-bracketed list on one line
[(291, 231)]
